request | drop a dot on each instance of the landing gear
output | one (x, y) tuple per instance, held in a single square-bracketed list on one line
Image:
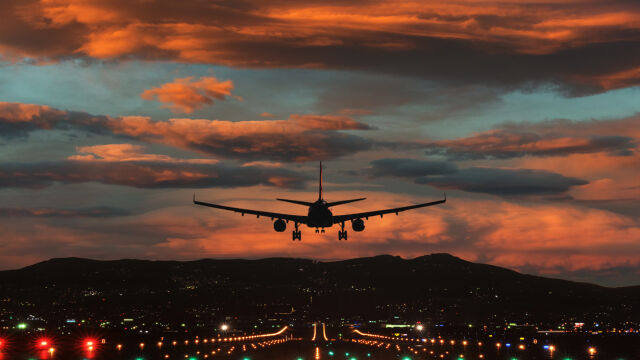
[(342, 234), (297, 234)]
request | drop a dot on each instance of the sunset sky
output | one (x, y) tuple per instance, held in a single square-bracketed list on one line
[(527, 113)]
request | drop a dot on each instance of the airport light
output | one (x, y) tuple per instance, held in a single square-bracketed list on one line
[(224, 327), (21, 326), (592, 351), (2, 342), (43, 343), (419, 327)]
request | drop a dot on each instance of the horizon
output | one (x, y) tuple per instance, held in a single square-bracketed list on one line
[(113, 114), (318, 260)]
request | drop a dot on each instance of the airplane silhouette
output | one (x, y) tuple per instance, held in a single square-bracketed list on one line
[(319, 215)]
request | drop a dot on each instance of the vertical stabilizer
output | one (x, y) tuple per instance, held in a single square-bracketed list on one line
[(320, 184)]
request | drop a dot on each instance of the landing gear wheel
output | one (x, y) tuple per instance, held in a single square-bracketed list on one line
[(342, 234), (297, 235)]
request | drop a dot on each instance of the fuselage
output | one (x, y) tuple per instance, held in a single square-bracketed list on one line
[(319, 215)]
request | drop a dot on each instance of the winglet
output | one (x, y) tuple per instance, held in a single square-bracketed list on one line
[(194, 198), (445, 196)]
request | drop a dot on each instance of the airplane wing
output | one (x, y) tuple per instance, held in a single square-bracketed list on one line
[(295, 218), (341, 218)]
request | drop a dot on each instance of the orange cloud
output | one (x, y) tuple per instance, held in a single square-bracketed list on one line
[(536, 236), (298, 138), (128, 152), (537, 41), (187, 94)]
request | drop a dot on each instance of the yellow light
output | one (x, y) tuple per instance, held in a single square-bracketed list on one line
[(552, 348), (51, 350), (159, 343), (119, 347), (521, 346), (141, 345), (592, 351)]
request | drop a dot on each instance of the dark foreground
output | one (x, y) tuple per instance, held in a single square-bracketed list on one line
[(351, 346)]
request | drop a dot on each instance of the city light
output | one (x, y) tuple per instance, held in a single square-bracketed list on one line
[(419, 327), (224, 327), (21, 326), (592, 351)]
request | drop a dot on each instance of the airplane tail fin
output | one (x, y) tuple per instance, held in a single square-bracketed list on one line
[(344, 202), (320, 184), (296, 202)]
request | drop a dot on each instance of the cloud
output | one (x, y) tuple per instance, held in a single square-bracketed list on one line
[(301, 137), (184, 95), (504, 182), (144, 174), (410, 168), (93, 212), (588, 48), (553, 138), (495, 181), (128, 152)]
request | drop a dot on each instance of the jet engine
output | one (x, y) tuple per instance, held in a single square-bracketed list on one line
[(357, 225), (279, 225)]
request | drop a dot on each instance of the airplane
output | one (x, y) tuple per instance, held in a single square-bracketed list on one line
[(319, 215)]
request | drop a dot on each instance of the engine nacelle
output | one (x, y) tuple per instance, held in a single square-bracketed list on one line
[(279, 225), (357, 225)]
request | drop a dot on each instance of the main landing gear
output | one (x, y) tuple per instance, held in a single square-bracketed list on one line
[(342, 234), (297, 234)]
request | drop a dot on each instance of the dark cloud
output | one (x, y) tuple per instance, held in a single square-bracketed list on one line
[(551, 138), (145, 175), (411, 168), (504, 182), (93, 212)]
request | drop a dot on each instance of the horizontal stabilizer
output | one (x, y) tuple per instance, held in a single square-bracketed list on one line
[(296, 202), (343, 202)]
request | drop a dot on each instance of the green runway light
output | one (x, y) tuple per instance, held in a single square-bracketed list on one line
[(330, 353), (22, 326), (406, 358)]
